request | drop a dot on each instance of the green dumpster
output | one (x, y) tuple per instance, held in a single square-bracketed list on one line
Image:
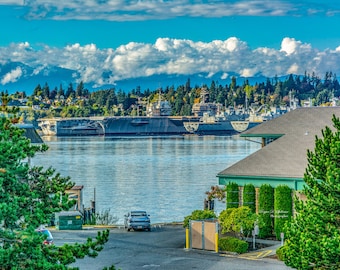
[(69, 220)]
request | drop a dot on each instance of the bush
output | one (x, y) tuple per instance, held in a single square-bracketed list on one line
[(280, 253), (239, 221), (105, 218), (233, 245), (198, 215)]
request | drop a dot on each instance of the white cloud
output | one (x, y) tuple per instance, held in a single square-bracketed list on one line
[(291, 46), (132, 10), (12, 76), (293, 69), (12, 2), (248, 72), (172, 56)]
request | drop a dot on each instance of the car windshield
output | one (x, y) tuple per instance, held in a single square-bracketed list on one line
[(138, 214)]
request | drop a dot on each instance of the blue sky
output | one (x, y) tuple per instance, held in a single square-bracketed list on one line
[(125, 38)]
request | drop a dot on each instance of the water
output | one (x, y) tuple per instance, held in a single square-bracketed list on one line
[(166, 176)]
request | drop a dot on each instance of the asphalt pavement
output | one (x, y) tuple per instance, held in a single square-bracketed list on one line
[(162, 248)]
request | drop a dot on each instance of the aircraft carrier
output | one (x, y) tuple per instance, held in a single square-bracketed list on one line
[(157, 122)]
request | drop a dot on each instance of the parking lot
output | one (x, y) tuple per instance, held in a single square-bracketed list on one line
[(162, 248)]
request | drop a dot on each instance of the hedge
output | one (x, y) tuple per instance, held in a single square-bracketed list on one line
[(198, 215), (232, 195), (233, 245), (266, 210), (249, 197), (283, 208)]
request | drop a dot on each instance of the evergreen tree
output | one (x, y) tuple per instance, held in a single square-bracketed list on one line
[(232, 193), (29, 196), (61, 91), (46, 91), (249, 197), (313, 237), (6, 111), (37, 90), (54, 93), (70, 92), (266, 210), (80, 89)]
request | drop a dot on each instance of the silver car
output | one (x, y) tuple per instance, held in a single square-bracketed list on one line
[(137, 220)]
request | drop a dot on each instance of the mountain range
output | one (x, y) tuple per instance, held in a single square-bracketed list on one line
[(28, 78)]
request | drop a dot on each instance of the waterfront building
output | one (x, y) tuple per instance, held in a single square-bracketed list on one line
[(282, 160)]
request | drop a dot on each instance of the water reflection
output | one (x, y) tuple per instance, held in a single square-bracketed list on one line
[(167, 176)]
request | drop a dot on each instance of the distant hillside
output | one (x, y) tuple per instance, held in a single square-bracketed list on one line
[(26, 79)]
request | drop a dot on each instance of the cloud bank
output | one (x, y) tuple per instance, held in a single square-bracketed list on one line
[(172, 57), (137, 10)]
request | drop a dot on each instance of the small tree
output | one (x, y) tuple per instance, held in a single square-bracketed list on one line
[(249, 197), (239, 221), (283, 208), (28, 198), (232, 195), (215, 193), (313, 237), (266, 210)]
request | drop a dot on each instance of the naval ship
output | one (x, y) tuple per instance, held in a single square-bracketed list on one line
[(75, 126), (221, 124), (156, 122), (214, 120)]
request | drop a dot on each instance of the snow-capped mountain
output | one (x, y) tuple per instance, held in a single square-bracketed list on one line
[(25, 78)]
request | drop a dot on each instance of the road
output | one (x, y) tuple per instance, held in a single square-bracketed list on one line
[(163, 248)]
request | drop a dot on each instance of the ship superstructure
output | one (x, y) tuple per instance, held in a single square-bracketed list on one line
[(157, 122), (216, 121)]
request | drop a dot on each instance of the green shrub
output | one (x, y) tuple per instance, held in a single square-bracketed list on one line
[(233, 245), (266, 210), (198, 215), (239, 221), (232, 195), (249, 197), (280, 253), (283, 208)]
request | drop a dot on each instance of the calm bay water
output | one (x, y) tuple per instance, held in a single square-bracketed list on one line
[(167, 176)]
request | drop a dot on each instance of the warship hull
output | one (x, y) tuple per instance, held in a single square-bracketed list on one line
[(219, 128), (115, 126), (70, 127), (156, 125)]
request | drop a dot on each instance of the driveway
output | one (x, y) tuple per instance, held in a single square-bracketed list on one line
[(162, 248)]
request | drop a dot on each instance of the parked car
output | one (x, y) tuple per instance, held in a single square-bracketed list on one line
[(137, 220), (49, 237)]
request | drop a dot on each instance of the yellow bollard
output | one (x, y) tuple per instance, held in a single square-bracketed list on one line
[(216, 242), (187, 238)]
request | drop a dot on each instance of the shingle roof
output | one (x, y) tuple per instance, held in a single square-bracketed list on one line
[(287, 156), (30, 133)]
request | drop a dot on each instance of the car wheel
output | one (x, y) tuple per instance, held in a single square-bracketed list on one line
[(128, 229)]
